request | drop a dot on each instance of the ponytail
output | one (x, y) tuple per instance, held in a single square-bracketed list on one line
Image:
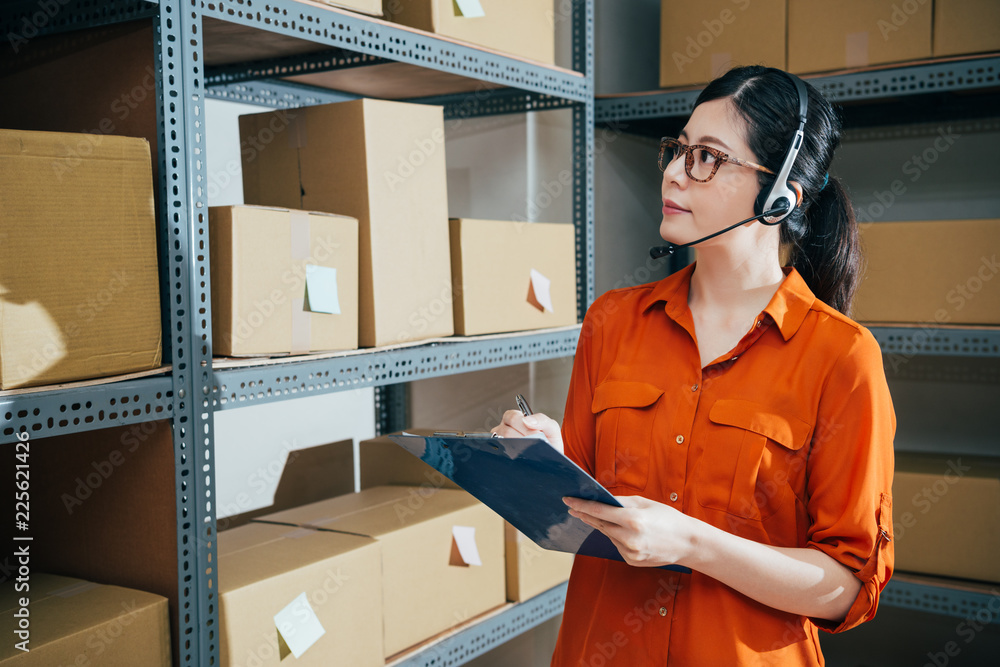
[(828, 254), (821, 234)]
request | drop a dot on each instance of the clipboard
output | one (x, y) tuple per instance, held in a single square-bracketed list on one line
[(523, 480)]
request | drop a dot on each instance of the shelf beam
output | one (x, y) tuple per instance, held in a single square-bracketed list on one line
[(929, 340), (240, 387), (482, 636), (60, 411), (347, 31), (944, 599), (872, 85)]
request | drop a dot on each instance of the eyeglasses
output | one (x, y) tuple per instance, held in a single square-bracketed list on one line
[(700, 162)]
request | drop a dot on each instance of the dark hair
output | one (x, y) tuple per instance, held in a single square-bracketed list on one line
[(821, 234)]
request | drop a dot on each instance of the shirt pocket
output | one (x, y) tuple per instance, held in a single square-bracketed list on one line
[(624, 413), (749, 466)]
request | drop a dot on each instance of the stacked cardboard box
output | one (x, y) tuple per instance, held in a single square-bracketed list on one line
[(53, 620), (946, 515), (442, 558), (283, 281), (530, 570), (382, 163), (314, 595), (524, 28), (512, 276), (939, 272), (77, 258)]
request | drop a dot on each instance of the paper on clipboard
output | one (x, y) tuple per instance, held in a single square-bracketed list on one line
[(523, 480)]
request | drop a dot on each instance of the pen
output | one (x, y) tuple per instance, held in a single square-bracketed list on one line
[(523, 405)]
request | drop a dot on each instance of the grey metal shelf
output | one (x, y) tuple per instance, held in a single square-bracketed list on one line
[(975, 73), (481, 637), (191, 393), (911, 341), (239, 387), (378, 41), (942, 597), (61, 411)]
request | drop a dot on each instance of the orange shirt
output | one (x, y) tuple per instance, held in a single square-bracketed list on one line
[(785, 440)]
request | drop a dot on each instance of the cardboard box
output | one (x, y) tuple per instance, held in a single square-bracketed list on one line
[(524, 28), (701, 41), (382, 163), (966, 26), (946, 515), (530, 569), (427, 586), (297, 575), (74, 622), (77, 258), (283, 281), (942, 271), (370, 7), (512, 276), (824, 36)]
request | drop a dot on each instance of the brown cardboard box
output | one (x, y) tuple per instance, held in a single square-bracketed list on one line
[(265, 568), (427, 587), (74, 622), (524, 28), (104, 509), (825, 35), (262, 263), (946, 515), (530, 569), (382, 163), (942, 271), (77, 258), (701, 41), (370, 7), (966, 26), (512, 276)]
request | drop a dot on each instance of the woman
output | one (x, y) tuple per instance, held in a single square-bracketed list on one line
[(739, 415)]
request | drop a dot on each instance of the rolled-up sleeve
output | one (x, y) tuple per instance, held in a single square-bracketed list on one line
[(850, 470)]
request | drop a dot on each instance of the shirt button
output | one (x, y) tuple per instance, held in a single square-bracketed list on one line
[(735, 358), (694, 387), (758, 322), (680, 440), (673, 496), (663, 611)]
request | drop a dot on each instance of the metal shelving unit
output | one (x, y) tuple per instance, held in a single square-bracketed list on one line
[(922, 352), (315, 38)]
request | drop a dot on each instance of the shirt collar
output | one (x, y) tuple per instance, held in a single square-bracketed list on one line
[(788, 307)]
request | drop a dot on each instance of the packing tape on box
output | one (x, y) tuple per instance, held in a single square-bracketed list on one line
[(298, 533), (856, 49), (301, 318), (74, 589)]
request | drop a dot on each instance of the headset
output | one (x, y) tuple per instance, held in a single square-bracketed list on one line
[(773, 204), (781, 194)]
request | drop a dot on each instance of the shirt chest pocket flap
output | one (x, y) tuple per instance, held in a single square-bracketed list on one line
[(624, 412), (751, 464)]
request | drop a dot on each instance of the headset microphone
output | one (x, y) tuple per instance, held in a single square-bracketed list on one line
[(662, 251)]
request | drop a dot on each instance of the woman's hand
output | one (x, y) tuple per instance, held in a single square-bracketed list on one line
[(516, 425), (647, 533)]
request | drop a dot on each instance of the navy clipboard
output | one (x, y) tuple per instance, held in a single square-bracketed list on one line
[(523, 480)]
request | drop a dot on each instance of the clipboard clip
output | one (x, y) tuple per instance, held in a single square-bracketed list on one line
[(463, 434)]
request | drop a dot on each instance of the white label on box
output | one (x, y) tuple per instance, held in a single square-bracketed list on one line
[(465, 538), (298, 626), (470, 9), (321, 290), (541, 288)]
